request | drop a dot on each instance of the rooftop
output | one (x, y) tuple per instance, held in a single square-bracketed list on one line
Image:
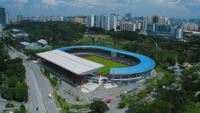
[(71, 62), (146, 63)]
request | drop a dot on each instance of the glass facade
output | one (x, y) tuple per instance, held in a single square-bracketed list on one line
[(2, 16)]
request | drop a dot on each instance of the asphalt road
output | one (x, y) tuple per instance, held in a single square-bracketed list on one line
[(39, 86), (35, 97), (45, 88)]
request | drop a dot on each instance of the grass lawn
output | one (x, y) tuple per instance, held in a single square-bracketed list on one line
[(159, 69), (108, 64)]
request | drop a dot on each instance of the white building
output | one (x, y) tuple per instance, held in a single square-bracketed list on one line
[(144, 25), (113, 22), (138, 25), (102, 21), (163, 21), (90, 21), (42, 41), (127, 26), (107, 23), (190, 27)]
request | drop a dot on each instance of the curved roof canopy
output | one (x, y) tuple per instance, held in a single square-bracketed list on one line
[(146, 63)]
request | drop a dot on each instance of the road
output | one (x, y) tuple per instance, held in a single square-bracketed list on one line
[(45, 89), (35, 99), (38, 84)]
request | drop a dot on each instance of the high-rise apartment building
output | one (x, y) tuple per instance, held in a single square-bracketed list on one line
[(97, 21), (7, 18), (2, 16), (158, 20), (20, 18), (90, 21), (176, 32), (106, 22), (113, 22), (127, 26)]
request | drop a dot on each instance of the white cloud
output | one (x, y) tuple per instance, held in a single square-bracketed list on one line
[(165, 2), (18, 1), (78, 3), (22, 1), (84, 3), (50, 2)]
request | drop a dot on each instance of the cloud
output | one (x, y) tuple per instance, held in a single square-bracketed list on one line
[(88, 4), (77, 3), (50, 2), (15, 1), (22, 1), (137, 7)]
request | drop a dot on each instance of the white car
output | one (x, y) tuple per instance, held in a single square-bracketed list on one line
[(50, 96)]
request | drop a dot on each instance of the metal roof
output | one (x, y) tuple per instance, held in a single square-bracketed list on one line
[(70, 62), (146, 63)]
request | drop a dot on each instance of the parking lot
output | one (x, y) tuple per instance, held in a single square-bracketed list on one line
[(99, 93), (69, 92)]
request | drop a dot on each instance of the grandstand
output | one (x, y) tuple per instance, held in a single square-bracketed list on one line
[(82, 64)]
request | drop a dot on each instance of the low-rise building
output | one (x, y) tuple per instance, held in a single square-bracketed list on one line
[(42, 43), (190, 27), (25, 45), (80, 19)]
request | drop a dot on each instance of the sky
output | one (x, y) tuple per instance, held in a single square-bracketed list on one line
[(168, 8)]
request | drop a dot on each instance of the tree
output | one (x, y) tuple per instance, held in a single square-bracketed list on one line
[(21, 92), (2, 77), (11, 82), (22, 109), (99, 107), (191, 79), (192, 108), (9, 105), (160, 106)]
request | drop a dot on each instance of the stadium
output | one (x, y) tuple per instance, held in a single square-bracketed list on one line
[(83, 64)]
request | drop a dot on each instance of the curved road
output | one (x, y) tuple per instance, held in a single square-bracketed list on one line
[(39, 86)]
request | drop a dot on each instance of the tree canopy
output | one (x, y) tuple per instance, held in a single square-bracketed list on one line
[(98, 107)]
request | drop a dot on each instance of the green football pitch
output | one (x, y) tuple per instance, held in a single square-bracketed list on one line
[(108, 64)]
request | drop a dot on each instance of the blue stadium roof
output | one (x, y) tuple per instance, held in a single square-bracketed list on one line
[(146, 63)]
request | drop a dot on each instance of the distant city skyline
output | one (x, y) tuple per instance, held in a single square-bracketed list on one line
[(169, 8)]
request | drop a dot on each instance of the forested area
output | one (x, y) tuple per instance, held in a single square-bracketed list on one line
[(168, 95), (54, 32), (164, 52), (12, 77)]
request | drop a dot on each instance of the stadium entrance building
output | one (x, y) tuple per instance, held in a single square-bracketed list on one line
[(69, 62)]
